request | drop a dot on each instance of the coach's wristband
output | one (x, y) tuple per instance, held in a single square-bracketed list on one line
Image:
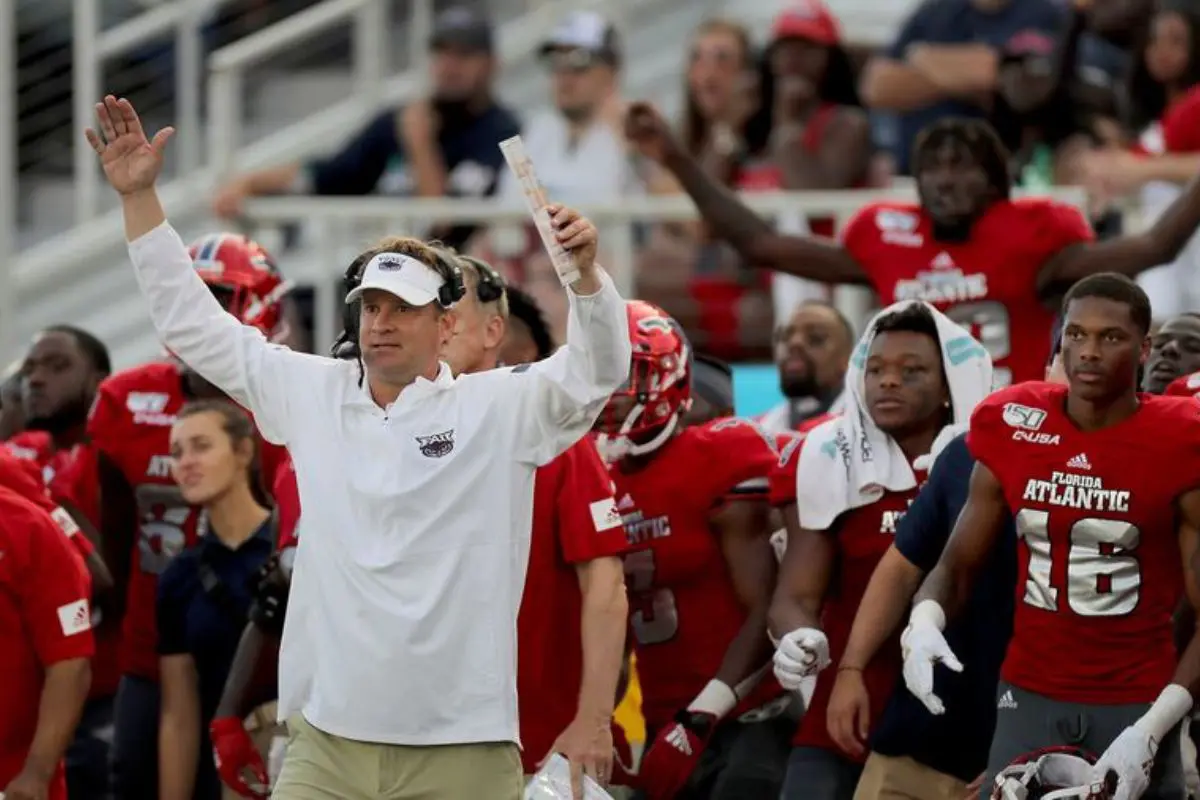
[(1172, 705)]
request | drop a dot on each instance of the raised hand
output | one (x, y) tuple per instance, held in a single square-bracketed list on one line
[(649, 132), (131, 161)]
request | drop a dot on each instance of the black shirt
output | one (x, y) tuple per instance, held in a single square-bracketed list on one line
[(957, 742), (207, 624)]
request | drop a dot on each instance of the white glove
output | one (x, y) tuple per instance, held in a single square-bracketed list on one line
[(1131, 756), (800, 654), (923, 646)]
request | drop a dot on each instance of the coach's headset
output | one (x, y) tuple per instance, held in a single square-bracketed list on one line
[(451, 291)]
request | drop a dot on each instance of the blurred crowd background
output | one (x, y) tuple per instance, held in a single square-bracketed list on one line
[(315, 125)]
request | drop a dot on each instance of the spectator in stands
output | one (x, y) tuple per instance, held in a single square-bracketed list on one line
[(1164, 116), (204, 596), (945, 61), (812, 351), (580, 151), (442, 145), (723, 127), (819, 137)]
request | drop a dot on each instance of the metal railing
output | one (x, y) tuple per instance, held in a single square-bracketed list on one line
[(332, 224), (76, 254)]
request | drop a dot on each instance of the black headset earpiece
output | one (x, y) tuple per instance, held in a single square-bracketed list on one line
[(453, 287)]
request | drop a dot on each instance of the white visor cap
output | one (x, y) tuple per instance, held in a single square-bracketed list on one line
[(402, 276)]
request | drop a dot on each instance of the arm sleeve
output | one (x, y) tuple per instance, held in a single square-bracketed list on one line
[(358, 166), (233, 357), (1062, 226), (558, 399), (55, 594), (171, 607), (926, 526), (986, 434), (589, 525)]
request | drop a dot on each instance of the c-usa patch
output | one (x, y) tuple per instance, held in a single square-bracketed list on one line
[(436, 445)]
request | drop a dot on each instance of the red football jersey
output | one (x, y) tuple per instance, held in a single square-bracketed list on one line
[(863, 535), (1184, 386), (1099, 562), (38, 447), (575, 520), (76, 481), (987, 284), (130, 423), (45, 618), (683, 609)]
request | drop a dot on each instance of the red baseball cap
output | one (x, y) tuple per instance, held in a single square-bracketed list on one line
[(807, 19)]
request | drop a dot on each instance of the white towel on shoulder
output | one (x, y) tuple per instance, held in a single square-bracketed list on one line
[(848, 463)]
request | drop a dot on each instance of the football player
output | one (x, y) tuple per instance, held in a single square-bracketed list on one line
[(812, 350), (59, 378), (144, 521), (699, 573), (1174, 364), (905, 392), (1104, 486), (987, 261)]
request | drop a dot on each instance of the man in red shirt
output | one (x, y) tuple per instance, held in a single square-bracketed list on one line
[(59, 377), (699, 570), (1105, 552), (46, 641), (984, 260), (142, 517)]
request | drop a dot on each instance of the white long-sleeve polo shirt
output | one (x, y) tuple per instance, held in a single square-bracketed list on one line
[(416, 518)]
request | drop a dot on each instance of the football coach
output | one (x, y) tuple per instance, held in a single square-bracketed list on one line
[(417, 489)]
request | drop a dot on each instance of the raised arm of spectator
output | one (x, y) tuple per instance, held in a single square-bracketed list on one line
[(729, 218), (352, 170), (189, 320), (558, 399), (1159, 244)]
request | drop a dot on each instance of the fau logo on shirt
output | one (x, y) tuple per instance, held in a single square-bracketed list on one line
[(1077, 491), (945, 282), (638, 528), (148, 408), (159, 467)]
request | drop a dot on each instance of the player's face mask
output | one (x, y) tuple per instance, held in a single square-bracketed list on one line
[(644, 414), (1053, 774)]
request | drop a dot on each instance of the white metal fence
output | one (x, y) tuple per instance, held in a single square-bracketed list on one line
[(336, 229)]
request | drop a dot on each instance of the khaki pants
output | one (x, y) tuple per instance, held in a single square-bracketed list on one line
[(888, 778), (321, 766)]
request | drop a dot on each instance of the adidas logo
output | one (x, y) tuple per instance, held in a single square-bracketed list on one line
[(624, 503), (942, 261), (678, 739), (1006, 701), (1079, 462)]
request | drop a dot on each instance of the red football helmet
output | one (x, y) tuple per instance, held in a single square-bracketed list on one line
[(644, 413), (1053, 773), (241, 267)]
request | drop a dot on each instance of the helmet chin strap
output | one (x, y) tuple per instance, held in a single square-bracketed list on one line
[(617, 446)]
